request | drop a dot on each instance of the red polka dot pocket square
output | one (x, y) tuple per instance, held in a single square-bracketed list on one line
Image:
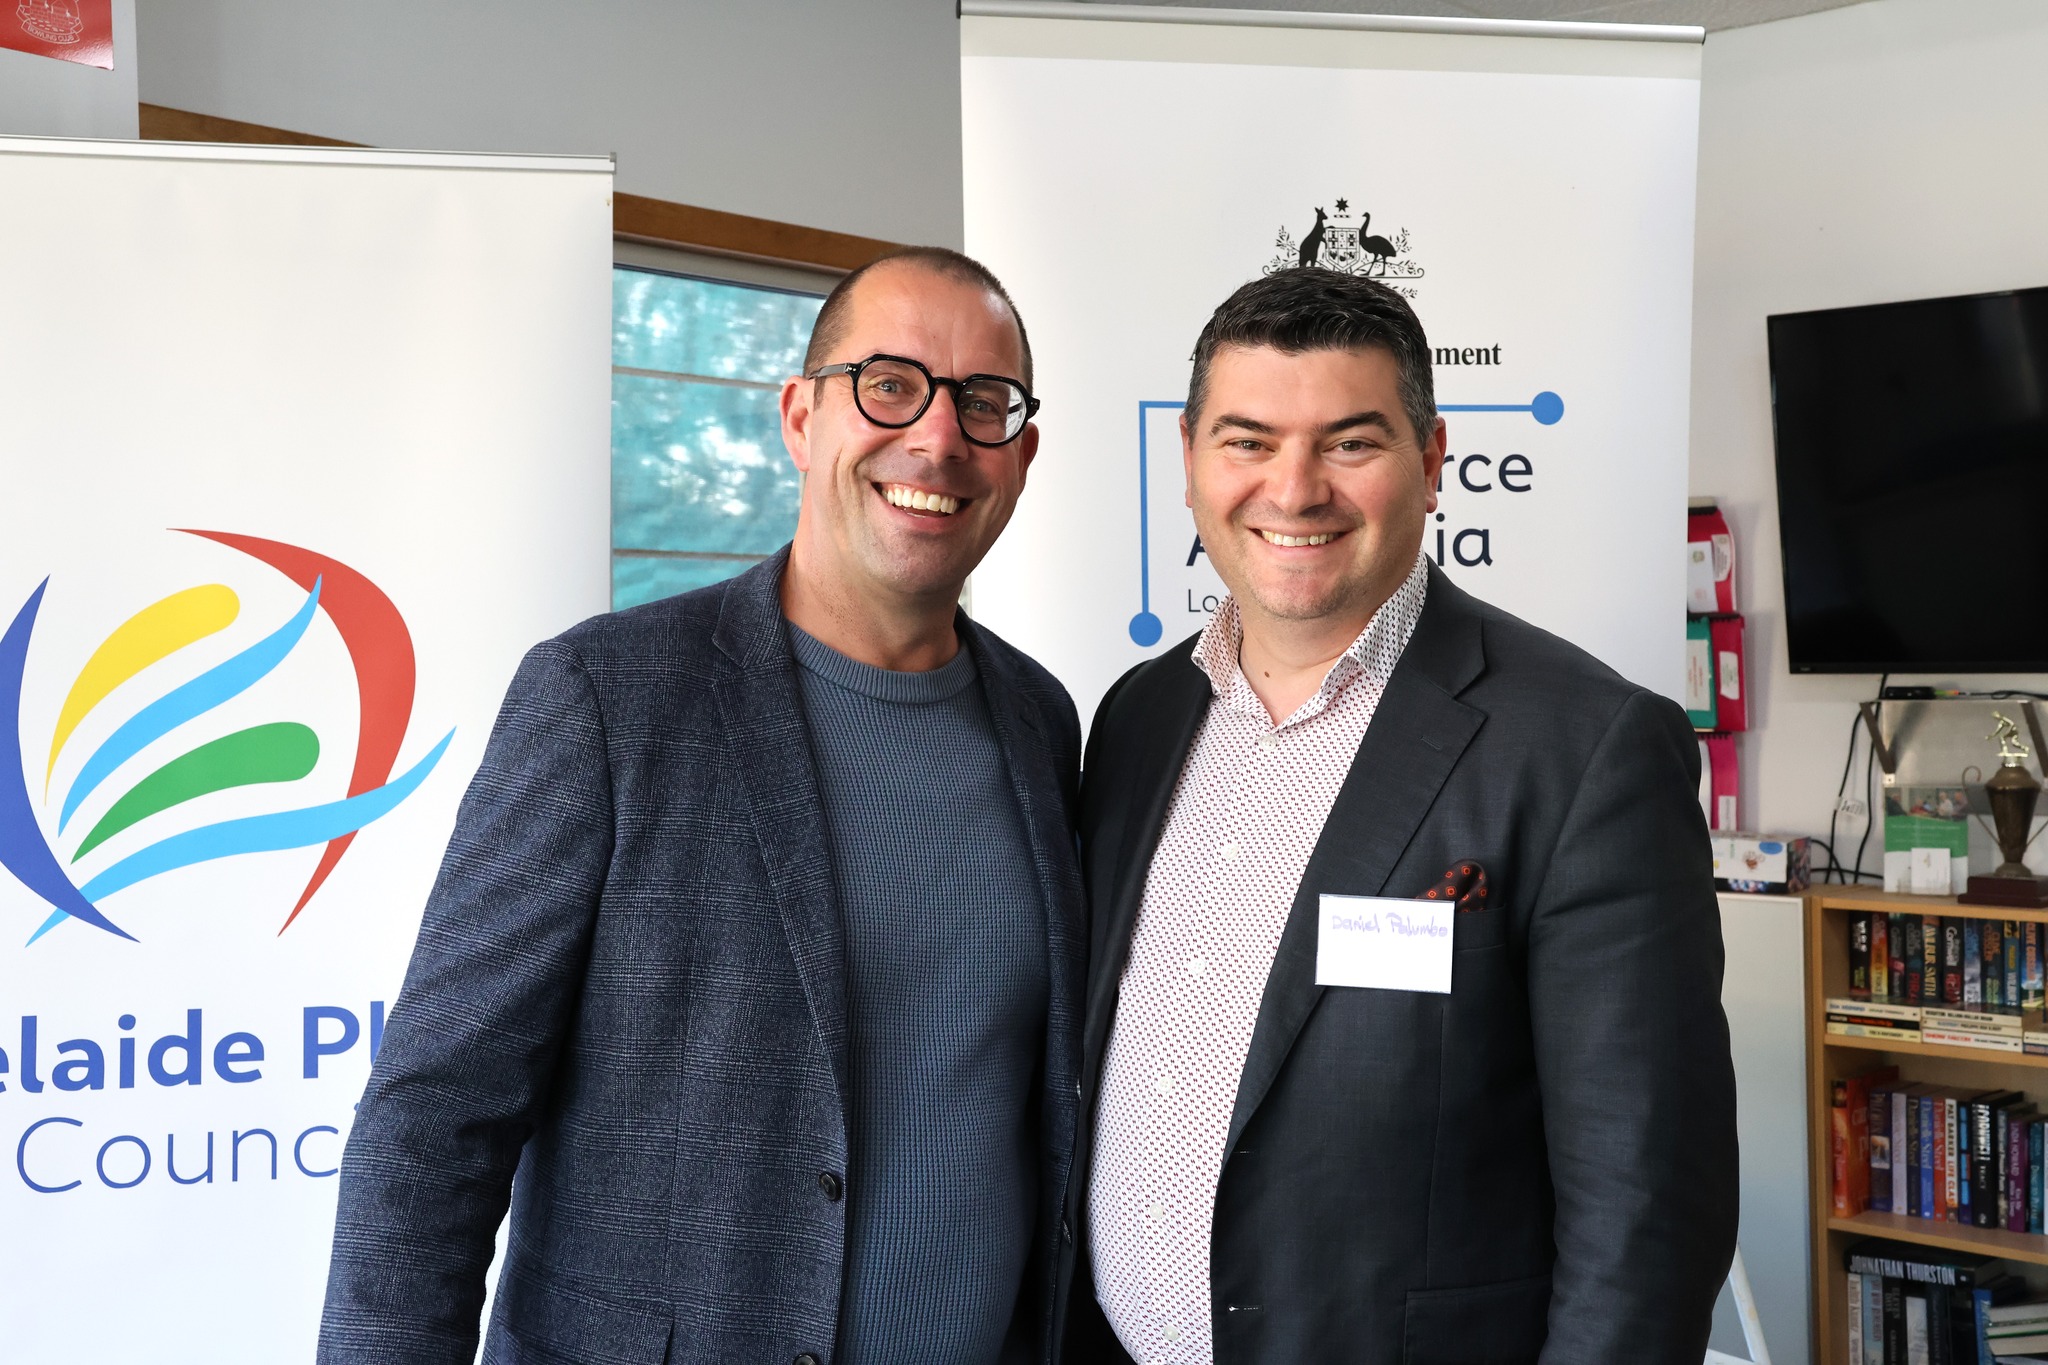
[(1464, 885)]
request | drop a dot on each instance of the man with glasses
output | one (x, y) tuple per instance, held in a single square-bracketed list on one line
[(757, 951)]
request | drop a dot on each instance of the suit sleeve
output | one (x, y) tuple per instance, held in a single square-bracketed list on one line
[(466, 1060), (1624, 971)]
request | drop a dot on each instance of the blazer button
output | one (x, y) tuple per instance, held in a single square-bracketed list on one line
[(805, 1359), (1066, 1230), (832, 1187)]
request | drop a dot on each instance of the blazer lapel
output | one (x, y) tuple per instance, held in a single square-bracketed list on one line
[(1043, 799), (1416, 737), (770, 747), (1157, 748)]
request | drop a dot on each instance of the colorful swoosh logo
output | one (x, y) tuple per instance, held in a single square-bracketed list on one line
[(380, 652)]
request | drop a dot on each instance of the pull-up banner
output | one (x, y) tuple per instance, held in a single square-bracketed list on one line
[(299, 451), (1532, 196)]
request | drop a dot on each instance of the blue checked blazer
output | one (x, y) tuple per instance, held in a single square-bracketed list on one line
[(626, 1015)]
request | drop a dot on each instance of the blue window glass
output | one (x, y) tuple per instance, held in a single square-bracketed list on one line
[(701, 485)]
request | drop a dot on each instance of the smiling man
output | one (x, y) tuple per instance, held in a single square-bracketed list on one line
[(1404, 1043), (757, 950)]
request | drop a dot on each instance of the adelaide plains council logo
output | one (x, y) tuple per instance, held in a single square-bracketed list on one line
[(274, 750)]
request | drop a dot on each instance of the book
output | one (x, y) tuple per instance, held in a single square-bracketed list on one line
[(1992, 937), (1874, 1028), (1973, 966), (1849, 1139), (1914, 928), (1961, 1212), (1946, 1037), (1881, 957), (1906, 1120), (2033, 981), (1895, 956), (1880, 1128), (1859, 956), (2011, 1318), (1958, 1289), (1848, 1007), (1928, 1165), (1917, 1352), (1984, 1157), (2008, 1348), (1952, 962), (1930, 956), (2034, 1175), (2009, 937), (2017, 1122), (2003, 1025), (1946, 1158), (1905, 1135), (1854, 1298)]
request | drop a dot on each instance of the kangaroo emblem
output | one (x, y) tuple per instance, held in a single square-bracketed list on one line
[(1312, 241)]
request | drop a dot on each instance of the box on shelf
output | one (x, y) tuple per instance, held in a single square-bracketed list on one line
[(1700, 702), (1927, 839), (1731, 708), (1709, 560), (1719, 783), (1760, 862)]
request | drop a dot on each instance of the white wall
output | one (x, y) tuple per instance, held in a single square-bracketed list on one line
[(748, 107), (43, 97), (1889, 150)]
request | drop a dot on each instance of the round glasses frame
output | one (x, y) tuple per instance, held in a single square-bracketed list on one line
[(933, 383)]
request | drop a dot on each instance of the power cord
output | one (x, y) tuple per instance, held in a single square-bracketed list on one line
[(1835, 871)]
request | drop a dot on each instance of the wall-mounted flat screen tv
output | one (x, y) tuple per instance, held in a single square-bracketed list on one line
[(1912, 444)]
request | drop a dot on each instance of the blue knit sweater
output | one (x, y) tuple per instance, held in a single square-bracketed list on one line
[(946, 1000)]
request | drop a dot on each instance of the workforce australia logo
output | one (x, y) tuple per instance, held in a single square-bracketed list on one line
[(109, 791), (1350, 245)]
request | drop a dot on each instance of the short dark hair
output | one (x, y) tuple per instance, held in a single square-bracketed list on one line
[(830, 328), (1312, 309)]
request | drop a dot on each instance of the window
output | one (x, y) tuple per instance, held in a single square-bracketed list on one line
[(701, 485)]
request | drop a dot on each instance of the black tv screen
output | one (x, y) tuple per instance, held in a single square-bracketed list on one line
[(1912, 444)]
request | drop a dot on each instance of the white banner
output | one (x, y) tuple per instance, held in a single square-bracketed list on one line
[(1533, 197), (300, 450)]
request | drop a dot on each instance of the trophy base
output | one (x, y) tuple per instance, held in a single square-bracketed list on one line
[(2028, 892)]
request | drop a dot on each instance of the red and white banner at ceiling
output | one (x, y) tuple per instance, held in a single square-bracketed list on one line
[(79, 31), (300, 450), (1531, 195)]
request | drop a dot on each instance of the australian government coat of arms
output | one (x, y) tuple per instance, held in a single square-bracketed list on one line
[(1347, 243)]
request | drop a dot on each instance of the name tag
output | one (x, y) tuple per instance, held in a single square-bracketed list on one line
[(1384, 944)]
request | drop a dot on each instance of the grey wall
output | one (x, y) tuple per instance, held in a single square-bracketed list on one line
[(42, 97), (751, 107)]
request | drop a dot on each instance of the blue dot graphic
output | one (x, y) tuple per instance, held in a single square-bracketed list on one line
[(1146, 629), (1547, 408)]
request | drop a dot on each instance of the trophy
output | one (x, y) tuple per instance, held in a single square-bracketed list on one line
[(2011, 793)]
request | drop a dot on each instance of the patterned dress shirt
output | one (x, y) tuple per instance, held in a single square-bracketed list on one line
[(1250, 804)]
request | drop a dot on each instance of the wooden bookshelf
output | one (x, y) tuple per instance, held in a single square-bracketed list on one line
[(1830, 1057)]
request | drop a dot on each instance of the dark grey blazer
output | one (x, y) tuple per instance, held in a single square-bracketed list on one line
[(629, 986), (1540, 1165)]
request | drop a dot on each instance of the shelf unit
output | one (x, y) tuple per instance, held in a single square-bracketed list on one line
[(1829, 1058)]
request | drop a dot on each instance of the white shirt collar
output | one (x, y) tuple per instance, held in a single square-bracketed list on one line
[(1373, 652)]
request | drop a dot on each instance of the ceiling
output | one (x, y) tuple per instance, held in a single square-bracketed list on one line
[(1713, 15)]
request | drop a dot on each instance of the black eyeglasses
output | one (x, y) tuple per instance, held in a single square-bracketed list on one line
[(893, 391)]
